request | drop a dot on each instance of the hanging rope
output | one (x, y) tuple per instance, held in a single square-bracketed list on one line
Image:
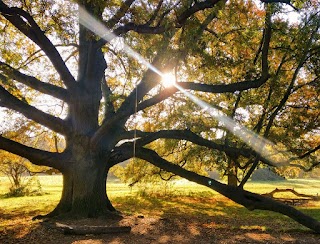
[(135, 123)]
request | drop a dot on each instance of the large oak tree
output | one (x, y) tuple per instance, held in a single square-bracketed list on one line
[(116, 110)]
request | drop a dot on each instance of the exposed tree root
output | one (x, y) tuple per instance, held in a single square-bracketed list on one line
[(57, 214)]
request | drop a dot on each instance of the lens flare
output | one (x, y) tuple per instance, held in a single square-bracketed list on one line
[(262, 146), (88, 21), (168, 80)]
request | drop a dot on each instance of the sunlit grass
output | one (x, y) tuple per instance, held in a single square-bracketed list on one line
[(183, 198), (304, 186), (32, 205)]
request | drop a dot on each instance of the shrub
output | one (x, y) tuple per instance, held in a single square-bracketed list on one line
[(31, 188)]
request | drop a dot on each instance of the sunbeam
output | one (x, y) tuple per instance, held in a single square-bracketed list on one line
[(259, 144), (99, 29)]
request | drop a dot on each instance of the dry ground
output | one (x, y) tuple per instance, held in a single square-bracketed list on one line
[(189, 214), (169, 228)]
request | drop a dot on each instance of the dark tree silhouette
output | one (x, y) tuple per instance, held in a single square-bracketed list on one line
[(93, 144)]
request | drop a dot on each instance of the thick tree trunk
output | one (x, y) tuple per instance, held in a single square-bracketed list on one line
[(84, 192)]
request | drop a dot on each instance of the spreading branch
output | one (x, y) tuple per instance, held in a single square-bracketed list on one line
[(127, 108), (50, 121), (247, 199), (290, 89), (305, 169), (24, 22), (196, 7), (221, 88), (147, 28), (119, 14), (224, 88), (266, 43), (35, 156), (315, 164), (281, 1), (142, 29), (251, 201), (143, 138), (34, 83), (155, 13), (307, 153), (164, 94), (148, 137), (212, 88)]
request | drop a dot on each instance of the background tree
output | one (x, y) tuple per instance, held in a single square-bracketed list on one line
[(108, 100), (14, 168), (261, 109), (21, 173)]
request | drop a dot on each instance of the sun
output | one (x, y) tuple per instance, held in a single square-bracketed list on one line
[(168, 80)]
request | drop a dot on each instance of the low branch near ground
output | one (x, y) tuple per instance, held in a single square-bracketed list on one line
[(247, 199), (311, 197), (35, 156)]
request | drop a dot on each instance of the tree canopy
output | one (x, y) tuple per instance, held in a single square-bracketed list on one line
[(248, 60)]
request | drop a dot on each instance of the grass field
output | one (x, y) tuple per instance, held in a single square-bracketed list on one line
[(159, 199), (182, 198)]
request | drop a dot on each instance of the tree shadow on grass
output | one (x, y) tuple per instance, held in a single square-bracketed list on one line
[(172, 220), (179, 229)]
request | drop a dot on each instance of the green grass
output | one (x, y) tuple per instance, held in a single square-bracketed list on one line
[(31, 205), (182, 198), (304, 186)]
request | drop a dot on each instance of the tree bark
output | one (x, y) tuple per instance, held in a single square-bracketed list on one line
[(232, 173), (83, 194)]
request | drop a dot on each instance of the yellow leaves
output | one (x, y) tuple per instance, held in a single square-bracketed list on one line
[(148, 126), (11, 57), (6, 157)]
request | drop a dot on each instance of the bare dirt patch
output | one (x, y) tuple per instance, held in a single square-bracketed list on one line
[(152, 229)]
